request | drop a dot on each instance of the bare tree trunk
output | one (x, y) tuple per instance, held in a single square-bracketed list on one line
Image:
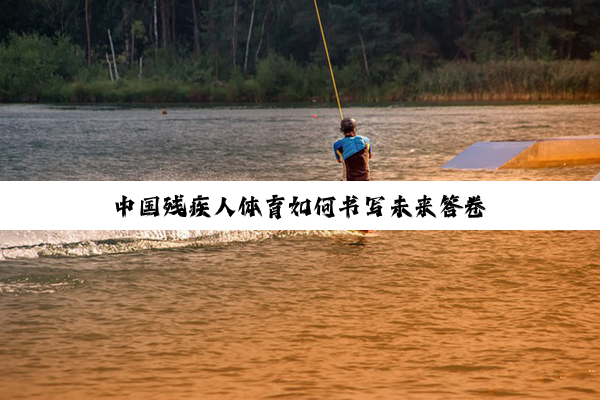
[(173, 23), (213, 40), (140, 74), (109, 67), (234, 33), (127, 51), (249, 35), (132, 47), (155, 30), (164, 24), (87, 28), (262, 31), (364, 51), (196, 29), (112, 49)]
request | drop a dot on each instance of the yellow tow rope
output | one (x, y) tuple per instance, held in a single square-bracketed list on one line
[(337, 96)]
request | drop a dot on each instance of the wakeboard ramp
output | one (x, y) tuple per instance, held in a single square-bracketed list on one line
[(535, 153)]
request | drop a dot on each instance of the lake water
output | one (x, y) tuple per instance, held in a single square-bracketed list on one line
[(291, 314), (102, 143)]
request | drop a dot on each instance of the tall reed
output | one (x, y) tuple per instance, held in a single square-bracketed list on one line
[(512, 80)]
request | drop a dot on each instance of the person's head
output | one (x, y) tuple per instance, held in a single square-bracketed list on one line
[(348, 126)]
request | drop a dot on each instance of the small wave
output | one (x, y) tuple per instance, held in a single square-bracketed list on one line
[(465, 368), (144, 240), (38, 284)]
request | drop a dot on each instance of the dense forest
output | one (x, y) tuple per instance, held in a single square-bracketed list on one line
[(271, 50)]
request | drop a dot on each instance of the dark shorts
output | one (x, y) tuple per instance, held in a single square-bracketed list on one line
[(357, 166)]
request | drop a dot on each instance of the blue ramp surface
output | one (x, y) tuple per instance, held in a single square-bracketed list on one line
[(487, 155), (597, 177)]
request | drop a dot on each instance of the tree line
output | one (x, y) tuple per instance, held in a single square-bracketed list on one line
[(219, 41)]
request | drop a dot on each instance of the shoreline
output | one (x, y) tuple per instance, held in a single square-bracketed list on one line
[(128, 92), (307, 105)]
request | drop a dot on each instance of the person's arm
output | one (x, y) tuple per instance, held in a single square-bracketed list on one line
[(337, 150)]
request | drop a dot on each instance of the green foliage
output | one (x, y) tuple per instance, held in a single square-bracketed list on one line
[(138, 29), (385, 32), (276, 73), (405, 82), (31, 62), (380, 49)]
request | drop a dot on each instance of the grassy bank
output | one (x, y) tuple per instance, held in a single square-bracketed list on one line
[(454, 82), (464, 82), (41, 69), (523, 80)]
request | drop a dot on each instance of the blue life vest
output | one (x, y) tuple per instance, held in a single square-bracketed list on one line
[(350, 145)]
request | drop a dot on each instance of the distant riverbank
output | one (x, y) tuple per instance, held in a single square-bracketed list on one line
[(30, 73), (505, 81)]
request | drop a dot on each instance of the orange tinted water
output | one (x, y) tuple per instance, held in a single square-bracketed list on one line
[(443, 315)]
